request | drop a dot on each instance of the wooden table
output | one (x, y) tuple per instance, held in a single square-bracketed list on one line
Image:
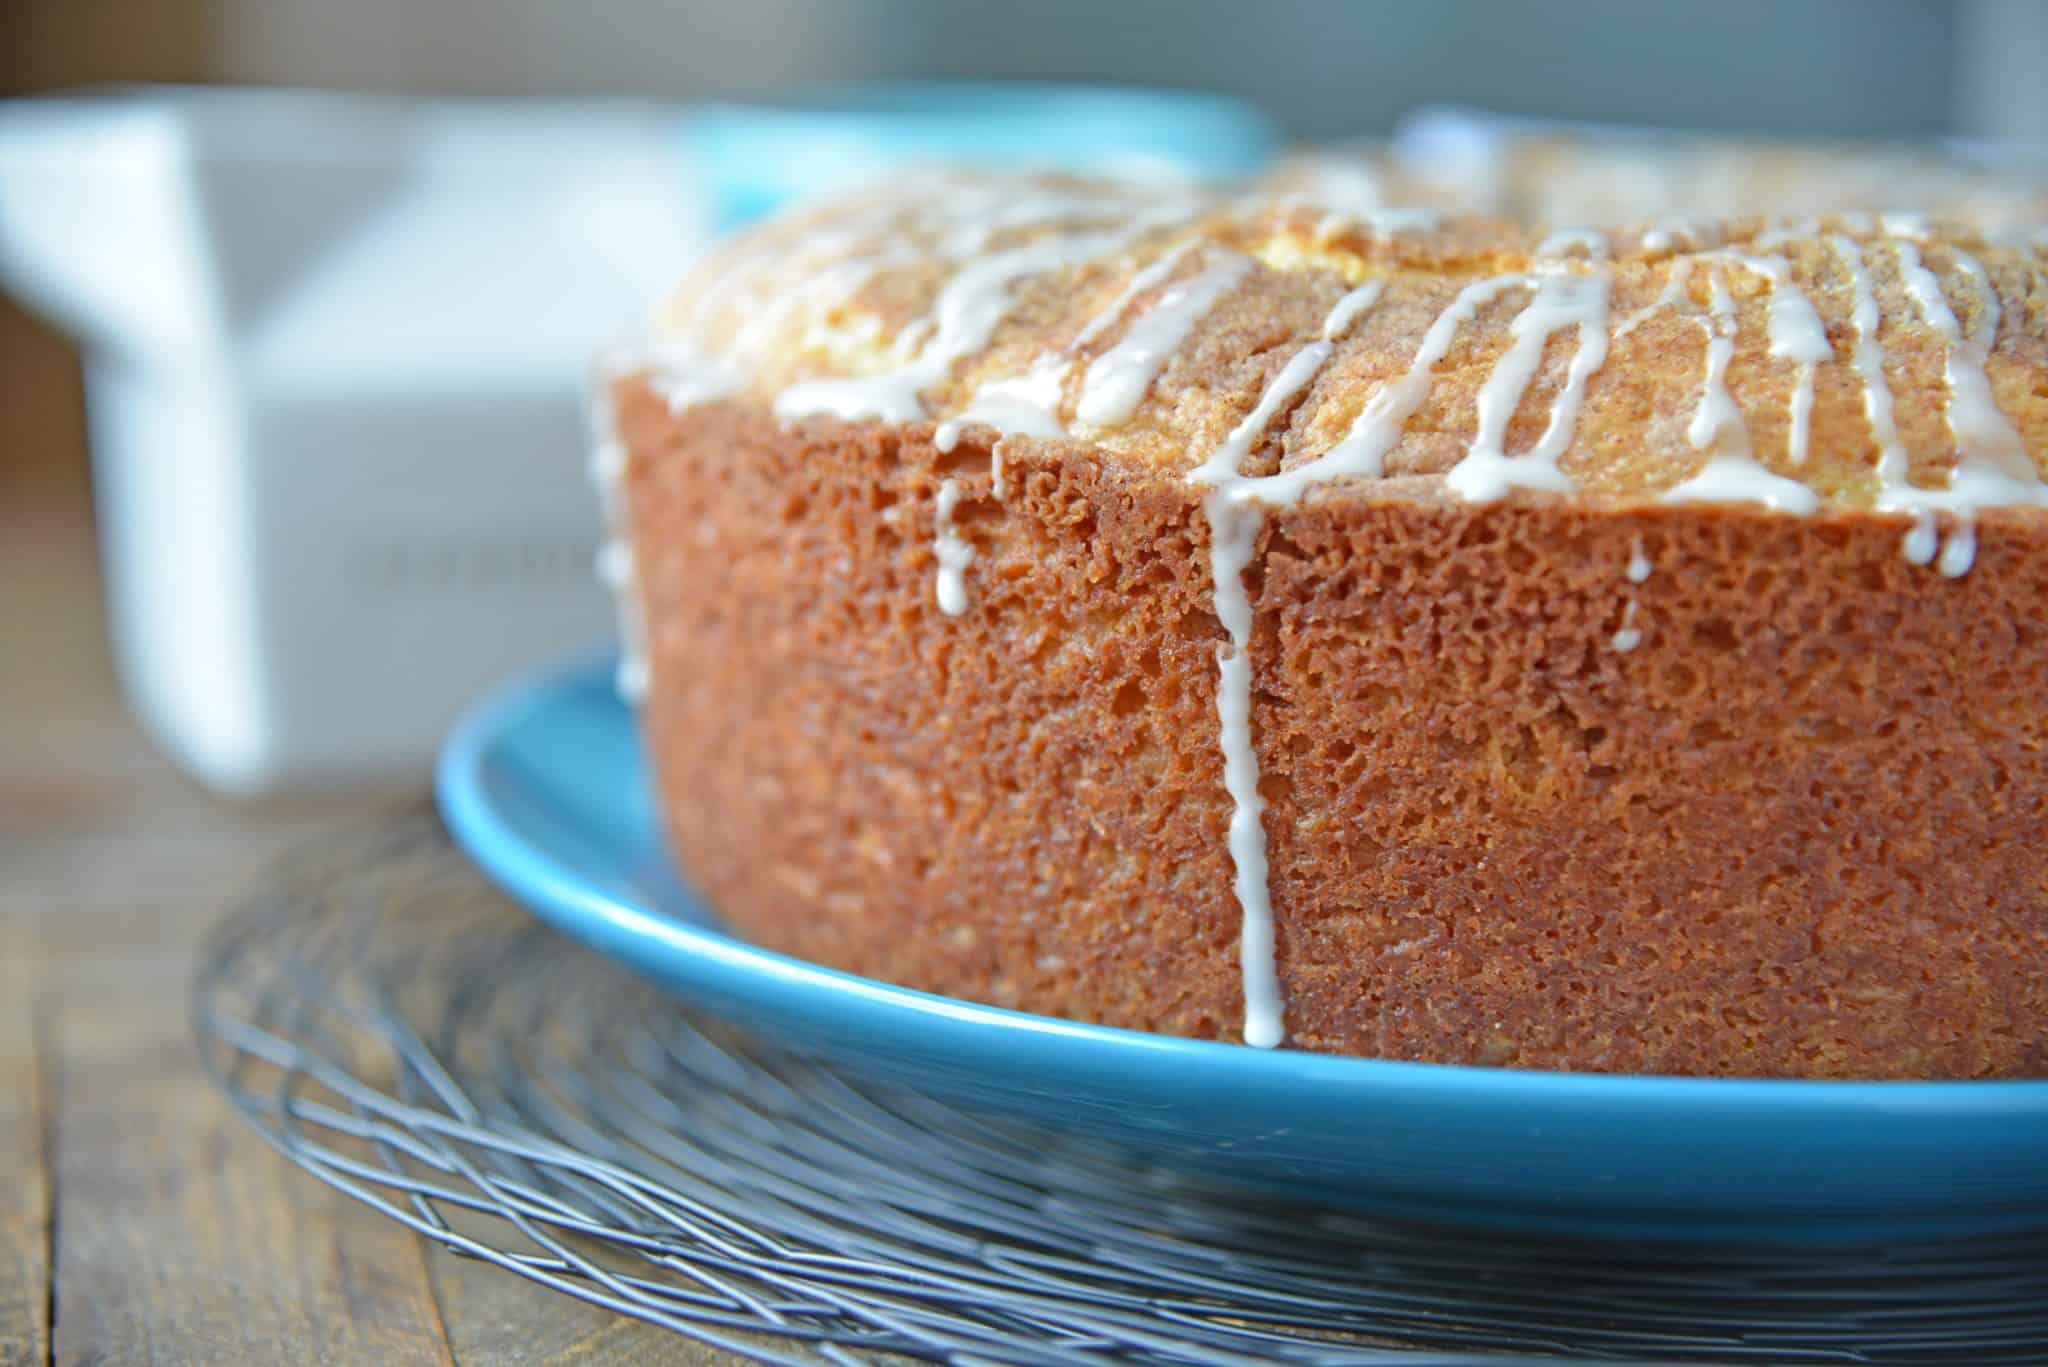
[(140, 1220)]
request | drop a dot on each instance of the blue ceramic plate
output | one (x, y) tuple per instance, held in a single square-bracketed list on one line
[(545, 787)]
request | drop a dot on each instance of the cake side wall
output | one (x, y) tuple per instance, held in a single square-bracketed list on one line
[(1793, 830), (1018, 804)]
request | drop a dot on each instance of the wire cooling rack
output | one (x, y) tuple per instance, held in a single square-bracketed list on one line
[(394, 1027)]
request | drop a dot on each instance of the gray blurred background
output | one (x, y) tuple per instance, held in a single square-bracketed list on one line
[(1325, 68)]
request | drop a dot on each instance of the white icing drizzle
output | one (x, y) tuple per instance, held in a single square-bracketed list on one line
[(737, 288), (1151, 277), (1729, 478), (1565, 241), (1234, 522), (1796, 334), (1362, 452), (821, 294), (1300, 369), (615, 570), (1904, 225), (1630, 635), (615, 559), (1118, 380), (1670, 296), (1959, 551), (1350, 308), (1028, 405), (981, 293), (1350, 193), (1023, 405), (1784, 231), (1666, 233), (682, 377), (1639, 568), (607, 467), (820, 291), (1984, 435), (1993, 468), (1868, 361), (633, 678), (995, 470), (1223, 467), (1921, 540), (953, 554), (1731, 474), (615, 565), (969, 309), (1381, 222), (1234, 529), (1562, 300)]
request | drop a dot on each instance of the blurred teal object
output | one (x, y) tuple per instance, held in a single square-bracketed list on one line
[(756, 157), (545, 786)]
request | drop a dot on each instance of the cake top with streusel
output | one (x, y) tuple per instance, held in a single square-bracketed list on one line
[(1296, 335)]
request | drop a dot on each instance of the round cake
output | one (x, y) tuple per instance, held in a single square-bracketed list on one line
[(1430, 638)]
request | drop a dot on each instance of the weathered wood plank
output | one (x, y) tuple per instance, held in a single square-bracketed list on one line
[(170, 1232), (494, 1317), (181, 1238), (178, 1236), (24, 1170)]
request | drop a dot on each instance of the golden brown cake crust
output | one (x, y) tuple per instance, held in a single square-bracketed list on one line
[(1796, 831)]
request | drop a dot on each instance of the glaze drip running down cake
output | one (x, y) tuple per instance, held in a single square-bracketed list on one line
[(1267, 616)]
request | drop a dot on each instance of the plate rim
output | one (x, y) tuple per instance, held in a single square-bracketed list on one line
[(548, 889)]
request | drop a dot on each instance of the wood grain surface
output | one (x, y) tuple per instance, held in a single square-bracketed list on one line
[(140, 1220)]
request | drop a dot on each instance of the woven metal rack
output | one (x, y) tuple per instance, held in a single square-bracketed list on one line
[(397, 1029)]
